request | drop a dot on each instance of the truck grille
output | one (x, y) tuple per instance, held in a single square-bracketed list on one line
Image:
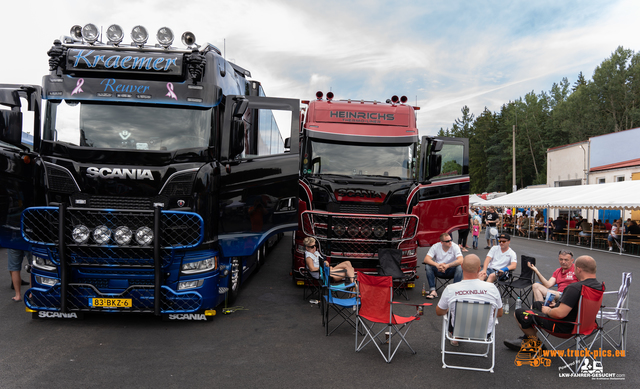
[(178, 230), (357, 237)]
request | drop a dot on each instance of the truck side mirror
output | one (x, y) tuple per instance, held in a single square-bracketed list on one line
[(236, 146), (11, 127)]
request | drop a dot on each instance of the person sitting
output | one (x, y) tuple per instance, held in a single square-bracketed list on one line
[(566, 309), (559, 226), (634, 228), (584, 229), (343, 271), (613, 235), (524, 226), (471, 289), (443, 260), (563, 277), (500, 261), (540, 226), (607, 225)]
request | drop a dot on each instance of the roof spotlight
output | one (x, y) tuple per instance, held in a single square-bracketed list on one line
[(90, 32), (394, 99), (188, 38), (329, 96), (76, 32), (165, 37), (403, 99), (319, 95), (115, 34), (139, 35)]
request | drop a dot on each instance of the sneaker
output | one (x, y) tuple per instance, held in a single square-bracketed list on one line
[(514, 344), (487, 247), (610, 248)]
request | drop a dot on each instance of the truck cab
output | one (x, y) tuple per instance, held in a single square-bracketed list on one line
[(368, 181), (158, 174)]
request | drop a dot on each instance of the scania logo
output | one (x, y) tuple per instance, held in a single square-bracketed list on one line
[(181, 203), (187, 316), (57, 315), (134, 174), (358, 193)]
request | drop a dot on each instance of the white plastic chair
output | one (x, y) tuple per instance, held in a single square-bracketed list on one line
[(618, 315), (474, 322)]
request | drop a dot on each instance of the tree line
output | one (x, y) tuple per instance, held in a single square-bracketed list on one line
[(609, 102)]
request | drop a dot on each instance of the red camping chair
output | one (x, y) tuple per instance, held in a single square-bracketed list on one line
[(376, 307), (588, 308)]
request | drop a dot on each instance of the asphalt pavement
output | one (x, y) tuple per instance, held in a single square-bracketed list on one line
[(275, 339)]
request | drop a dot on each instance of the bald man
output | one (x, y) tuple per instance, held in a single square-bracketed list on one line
[(566, 309), (470, 289)]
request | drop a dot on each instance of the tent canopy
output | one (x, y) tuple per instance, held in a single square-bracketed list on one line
[(617, 195), (476, 200)]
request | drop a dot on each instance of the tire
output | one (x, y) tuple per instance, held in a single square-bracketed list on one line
[(234, 279), (260, 257)]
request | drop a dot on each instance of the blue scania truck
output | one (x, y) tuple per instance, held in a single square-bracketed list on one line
[(156, 178)]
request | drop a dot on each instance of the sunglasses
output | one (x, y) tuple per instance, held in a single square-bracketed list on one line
[(312, 247), (447, 241), (503, 241)]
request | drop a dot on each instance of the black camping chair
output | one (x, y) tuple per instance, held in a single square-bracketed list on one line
[(519, 286), (390, 266)]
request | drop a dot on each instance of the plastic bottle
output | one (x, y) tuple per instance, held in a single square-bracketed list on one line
[(505, 306), (424, 290), (518, 303)]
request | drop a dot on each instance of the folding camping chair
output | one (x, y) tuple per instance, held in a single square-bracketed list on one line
[(339, 301), (376, 307), (618, 315), (586, 326), (519, 286), (390, 266), (472, 322), (310, 286)]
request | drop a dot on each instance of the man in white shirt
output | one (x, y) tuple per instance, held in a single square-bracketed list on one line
[(443, 260), (471, 288), (500, 261)]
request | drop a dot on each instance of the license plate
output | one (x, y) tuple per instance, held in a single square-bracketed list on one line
[(110, 303)]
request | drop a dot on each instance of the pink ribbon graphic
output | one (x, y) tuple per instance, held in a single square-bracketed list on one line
[(78, 85), (170, 93)]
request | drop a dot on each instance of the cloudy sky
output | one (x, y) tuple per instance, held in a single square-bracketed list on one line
[(441, 54)]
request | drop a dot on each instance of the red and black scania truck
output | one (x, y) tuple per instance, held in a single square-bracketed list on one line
[(367, 181), (156, 177)]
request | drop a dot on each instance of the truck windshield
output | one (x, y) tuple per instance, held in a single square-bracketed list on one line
[(134, 127), (395, 160)]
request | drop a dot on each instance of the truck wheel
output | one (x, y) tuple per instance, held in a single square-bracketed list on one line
[(233, 281), (260, 258)]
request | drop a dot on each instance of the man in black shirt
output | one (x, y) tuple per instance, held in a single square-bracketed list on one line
[(566, 309), (491, 221), (559, 226)]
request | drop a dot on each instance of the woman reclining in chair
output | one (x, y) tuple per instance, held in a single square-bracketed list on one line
[(343, 271)]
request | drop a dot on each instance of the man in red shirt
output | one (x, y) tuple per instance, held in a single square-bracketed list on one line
[(563, 276)]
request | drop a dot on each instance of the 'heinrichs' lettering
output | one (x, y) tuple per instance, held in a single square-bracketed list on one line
[(362, 115)]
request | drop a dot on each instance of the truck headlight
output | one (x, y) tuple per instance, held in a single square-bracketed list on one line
[(101, 235), (123, 235), (144, 236), (379, 231), (339, 230), (80, 234), (189, 284), (200, 266), (43, 263), (46, 281)]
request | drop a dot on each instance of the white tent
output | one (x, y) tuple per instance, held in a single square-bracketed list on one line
[(617, 195), (476, 200)]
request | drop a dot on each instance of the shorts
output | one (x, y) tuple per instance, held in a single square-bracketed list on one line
[(526, 321), (504, 277), (15, 259), (582, 233)]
